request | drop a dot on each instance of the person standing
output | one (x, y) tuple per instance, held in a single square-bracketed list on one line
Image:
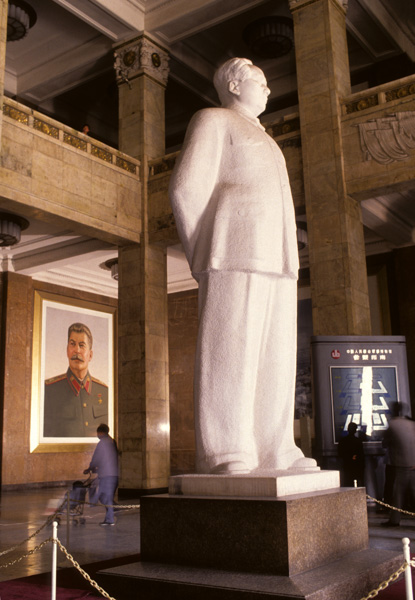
[(353, 458), (399, 440), (105, 462)]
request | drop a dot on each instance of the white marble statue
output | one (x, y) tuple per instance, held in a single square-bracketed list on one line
[(234, 212)]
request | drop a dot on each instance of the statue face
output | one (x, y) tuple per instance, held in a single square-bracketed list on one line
[(252, 93)]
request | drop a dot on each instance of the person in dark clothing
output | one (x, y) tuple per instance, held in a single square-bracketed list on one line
[(105, 462), (399, 440), (353, 460)]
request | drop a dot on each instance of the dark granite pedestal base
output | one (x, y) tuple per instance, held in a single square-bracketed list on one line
[(307, 546), (350, 578), (278, 536)]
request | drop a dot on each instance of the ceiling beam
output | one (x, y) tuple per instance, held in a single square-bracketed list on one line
[(395, 27), (116, 19), (380, 219), (58, 254), (178, 19)]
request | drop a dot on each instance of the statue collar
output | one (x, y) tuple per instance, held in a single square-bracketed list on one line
[(246, 115)]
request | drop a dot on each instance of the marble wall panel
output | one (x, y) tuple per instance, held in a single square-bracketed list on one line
[(14, 184), (132, 468), (158, 433), (331, 317), (183, 325), (158, 469)]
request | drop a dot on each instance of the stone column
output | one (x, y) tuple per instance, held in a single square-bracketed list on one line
[(143, 390), (338, 276), (3, 39)]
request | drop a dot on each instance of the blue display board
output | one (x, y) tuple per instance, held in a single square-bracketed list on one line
[(364, 395), (357, 379)]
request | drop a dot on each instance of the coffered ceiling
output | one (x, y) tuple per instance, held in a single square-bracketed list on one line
[(64, 68)]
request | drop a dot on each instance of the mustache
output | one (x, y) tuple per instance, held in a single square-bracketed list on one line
[(77, 357)]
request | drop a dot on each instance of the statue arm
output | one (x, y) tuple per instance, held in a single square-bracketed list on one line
[(195, 176)]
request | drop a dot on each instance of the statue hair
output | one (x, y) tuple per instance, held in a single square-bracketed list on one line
[(234, 69)]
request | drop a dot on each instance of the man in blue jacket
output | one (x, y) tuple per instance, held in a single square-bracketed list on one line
[(105, 462)]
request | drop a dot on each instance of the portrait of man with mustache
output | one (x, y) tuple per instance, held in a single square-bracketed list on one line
[(75, 402)]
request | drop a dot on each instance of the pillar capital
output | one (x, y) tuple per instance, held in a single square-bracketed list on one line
[(141, 56), (296, 4)]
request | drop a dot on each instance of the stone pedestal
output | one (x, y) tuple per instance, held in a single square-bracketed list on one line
[(352, 577), (257, 484), (308, 546), (279, 536)]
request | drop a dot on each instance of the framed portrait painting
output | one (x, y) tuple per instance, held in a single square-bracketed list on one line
[(72, 372)]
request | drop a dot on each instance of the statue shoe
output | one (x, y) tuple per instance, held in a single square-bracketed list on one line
[(233, 467), (304, 463)]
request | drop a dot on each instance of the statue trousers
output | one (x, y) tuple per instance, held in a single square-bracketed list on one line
[(245, 370)]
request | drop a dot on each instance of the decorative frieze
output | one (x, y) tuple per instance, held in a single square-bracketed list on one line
[(15, 114), (163, 165), (101, 153), (46, 128), (388, 139), (285, 127), (162, 222), (365, 102), (292, 142), (400, 92), (125, 164), (362, 104), (142, 55), (74, 141)]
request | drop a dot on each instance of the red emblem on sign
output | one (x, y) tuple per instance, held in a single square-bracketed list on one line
[(335, 354)]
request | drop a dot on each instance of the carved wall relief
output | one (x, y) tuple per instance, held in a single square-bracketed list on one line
[(388, 139)]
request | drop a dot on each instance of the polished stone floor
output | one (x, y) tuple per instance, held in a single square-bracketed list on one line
[(23, 513)]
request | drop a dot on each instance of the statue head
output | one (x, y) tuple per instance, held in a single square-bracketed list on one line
[(238, 81)]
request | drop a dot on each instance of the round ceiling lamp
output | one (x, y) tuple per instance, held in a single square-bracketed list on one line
[(20, 18), (111, 265), (270, 37), (11, 227)]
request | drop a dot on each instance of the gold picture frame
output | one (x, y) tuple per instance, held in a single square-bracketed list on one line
[(53, 314)]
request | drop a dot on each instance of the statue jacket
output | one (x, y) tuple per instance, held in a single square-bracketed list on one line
[(231, 197)]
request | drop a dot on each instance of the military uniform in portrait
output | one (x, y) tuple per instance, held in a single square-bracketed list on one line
[(74, 408)]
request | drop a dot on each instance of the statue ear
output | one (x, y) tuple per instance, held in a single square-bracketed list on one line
[(233, 87)]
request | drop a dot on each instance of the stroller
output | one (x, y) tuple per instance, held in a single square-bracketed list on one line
[(77, 498)]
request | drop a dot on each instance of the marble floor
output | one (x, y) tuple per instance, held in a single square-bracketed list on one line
[(23, 513)]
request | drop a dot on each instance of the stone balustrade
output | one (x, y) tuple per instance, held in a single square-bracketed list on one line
[(47, 167)]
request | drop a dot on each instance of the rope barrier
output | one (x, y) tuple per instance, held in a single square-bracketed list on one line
[(387, 582), (401, 510), (29, 553), (48, 521), (55, 540), (404, 568), (79, 568)]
